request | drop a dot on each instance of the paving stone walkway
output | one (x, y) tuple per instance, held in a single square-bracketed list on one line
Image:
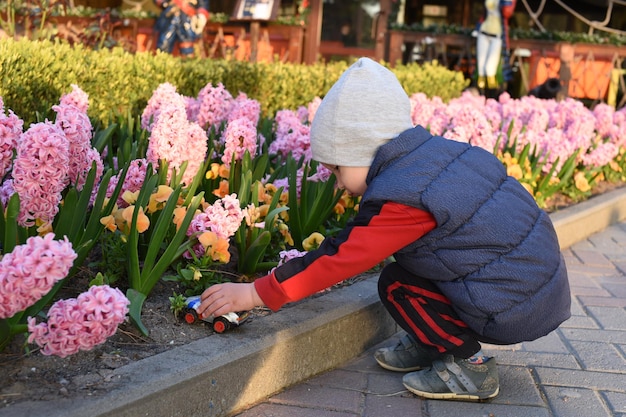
[(577, 371)]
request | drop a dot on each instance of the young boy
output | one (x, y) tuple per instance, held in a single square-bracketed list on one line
[(475, 259)]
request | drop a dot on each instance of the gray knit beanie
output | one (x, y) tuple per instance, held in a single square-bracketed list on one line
[(363, 110)]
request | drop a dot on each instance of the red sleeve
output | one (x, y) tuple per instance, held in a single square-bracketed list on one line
[(377, 232)]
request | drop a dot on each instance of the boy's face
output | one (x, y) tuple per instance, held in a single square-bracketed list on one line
[(351, 179)]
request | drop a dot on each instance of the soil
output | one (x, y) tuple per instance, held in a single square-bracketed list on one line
[(31, 376)]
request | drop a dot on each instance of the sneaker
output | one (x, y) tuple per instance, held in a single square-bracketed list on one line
[(453, 378), (406, 356)]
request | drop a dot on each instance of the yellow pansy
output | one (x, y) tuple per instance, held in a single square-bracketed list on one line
[(109, 222), (130, 197), (284, 231), (219, 252), (158, 199), (197, 274), (179, 216), (215, 248), (143, 222), (44, 227), (223, 190), (581, 182), (207, 239), (515, 171), (213, 172), (313, 241), (224, 171)]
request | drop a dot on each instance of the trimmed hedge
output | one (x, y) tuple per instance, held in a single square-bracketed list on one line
[(34, 75)]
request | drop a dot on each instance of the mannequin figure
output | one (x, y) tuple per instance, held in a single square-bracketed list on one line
[(182, 22), (492, 43)]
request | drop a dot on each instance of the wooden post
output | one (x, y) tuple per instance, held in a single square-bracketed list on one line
[(380, 30), (255, 26), (396, 39), (313, 33), (295, 44)]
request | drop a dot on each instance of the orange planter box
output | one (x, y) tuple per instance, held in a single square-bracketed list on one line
[(589, 78)]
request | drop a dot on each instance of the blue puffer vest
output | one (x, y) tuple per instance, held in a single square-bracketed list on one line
[(494, 253)]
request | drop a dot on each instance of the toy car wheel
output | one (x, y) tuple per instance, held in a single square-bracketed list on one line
[(190, 315), (220, 325)]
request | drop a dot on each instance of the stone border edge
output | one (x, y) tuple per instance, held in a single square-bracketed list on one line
[(223, 374)]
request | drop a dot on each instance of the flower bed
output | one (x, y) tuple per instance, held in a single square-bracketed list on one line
[(202, 189)]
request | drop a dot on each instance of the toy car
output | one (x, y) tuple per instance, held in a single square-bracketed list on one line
[(220, 324)]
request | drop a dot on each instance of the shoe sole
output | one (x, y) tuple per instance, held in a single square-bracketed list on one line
[(395, 369), (452, 395)]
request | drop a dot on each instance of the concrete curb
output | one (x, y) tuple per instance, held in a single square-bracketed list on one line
[(584, 219), (224, 374)]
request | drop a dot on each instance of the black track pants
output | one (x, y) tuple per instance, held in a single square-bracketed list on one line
[(418, 306)]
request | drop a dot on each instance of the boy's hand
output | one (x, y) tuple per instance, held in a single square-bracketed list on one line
[(229, 297)]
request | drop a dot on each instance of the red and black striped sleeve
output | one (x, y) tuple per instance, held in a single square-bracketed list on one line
[(378, 231)]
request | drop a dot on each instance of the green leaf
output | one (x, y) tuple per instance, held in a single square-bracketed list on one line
[(10, 234), (134, 310), (102, 137), (134, 271), (160, 229), (65, 218), (255, 252), (173, 250), (97, 280), (5, 334)]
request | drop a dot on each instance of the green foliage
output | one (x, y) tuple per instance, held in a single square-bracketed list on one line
[(34, 74), (542, 184), (77, 220), (431, 79), (310, 211), (177, 303), (253, 243), (162, 246), (197, 275), (112, 257)]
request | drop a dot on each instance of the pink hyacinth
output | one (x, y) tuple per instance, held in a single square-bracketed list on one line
[(80, 323), (30, 271), (77, 98), (78, 130), (192, 107), (424, 111), (6, 191), (165, 94), (245, 108), (215, 105), (322, 174), (302, 113), (469, 124), (239, 136), (222, 218), (292, 136), (556, 130), (40, 172), (287, 255), (10, 131), (284, 182), (132, 182), (604, 120), (312, 109), (601, 155), (176, 140)]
